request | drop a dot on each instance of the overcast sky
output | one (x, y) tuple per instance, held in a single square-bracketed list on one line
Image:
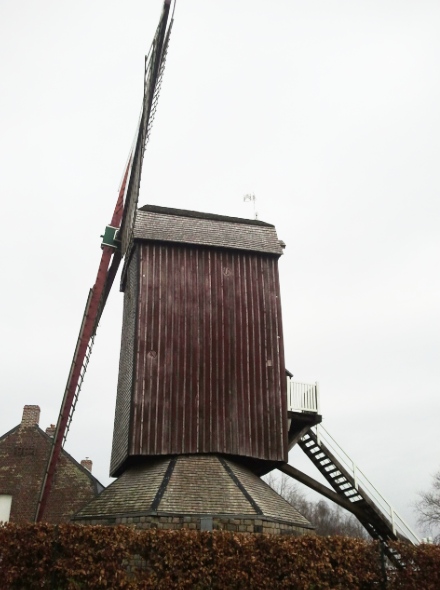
[(326, 110)]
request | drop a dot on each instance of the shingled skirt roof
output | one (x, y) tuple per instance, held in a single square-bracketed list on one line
[(192, 485)]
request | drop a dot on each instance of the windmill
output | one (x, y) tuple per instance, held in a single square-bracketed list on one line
[(202, 383)]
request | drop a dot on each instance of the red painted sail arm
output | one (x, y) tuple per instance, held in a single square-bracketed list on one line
[(94, 307), (123, 217)]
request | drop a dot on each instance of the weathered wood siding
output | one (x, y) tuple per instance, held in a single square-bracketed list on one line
[(121, 432), (209, 364)]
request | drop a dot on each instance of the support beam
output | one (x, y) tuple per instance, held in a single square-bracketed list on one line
[(321, 489), (299, 424), (294, 438)]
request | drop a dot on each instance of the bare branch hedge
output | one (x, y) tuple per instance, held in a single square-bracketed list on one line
[(72, 557)]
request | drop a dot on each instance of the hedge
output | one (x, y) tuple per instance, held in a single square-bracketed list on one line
[(72, 557)]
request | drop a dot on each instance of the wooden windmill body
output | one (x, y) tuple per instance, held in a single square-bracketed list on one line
[(202, 361)]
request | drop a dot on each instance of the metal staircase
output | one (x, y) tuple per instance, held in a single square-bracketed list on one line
[(357, 493)]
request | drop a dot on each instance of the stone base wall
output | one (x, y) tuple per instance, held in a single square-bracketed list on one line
[(197, 522)]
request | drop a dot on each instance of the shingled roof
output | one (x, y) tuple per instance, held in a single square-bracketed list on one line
[(192, 485), (205, 229)]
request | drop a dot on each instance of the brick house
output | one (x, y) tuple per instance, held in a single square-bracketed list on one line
[(24, 451)]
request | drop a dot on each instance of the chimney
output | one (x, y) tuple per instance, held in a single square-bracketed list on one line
[(87, 463), (50, 430), (31, 416)]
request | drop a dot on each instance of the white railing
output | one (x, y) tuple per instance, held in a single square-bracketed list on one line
[(302, 397), (361, 480)]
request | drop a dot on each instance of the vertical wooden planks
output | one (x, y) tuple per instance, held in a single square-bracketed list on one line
[(210, 365)]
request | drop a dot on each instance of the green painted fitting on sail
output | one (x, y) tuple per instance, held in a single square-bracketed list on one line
[(110, 237)]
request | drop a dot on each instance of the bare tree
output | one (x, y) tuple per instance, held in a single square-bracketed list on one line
[(329, 519), (428, 508), (287, 488)]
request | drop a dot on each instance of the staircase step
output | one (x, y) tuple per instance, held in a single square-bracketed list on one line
[(351, 492)]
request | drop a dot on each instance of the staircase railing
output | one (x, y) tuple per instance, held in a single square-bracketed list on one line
[(360, 480), (302, 397)]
